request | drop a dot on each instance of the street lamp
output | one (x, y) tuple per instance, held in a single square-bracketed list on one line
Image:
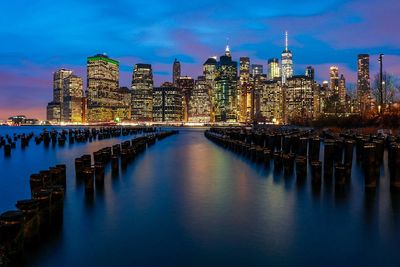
[(381, 80)]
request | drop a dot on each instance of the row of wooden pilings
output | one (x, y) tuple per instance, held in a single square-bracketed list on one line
[(70, 136), (119, 155), (34, 218), (9, 142), (37, 217), (293, 149)]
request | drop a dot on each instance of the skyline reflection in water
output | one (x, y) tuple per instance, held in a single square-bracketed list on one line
[(188, 202)]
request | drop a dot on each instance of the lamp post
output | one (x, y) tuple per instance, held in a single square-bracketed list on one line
[(381, 82)]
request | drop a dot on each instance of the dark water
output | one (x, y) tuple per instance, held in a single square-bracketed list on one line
[(188, 202)]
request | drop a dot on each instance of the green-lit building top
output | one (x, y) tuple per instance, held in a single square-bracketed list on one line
[(104, 58)]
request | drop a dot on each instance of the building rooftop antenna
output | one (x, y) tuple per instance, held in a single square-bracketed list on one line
[(286, 41)]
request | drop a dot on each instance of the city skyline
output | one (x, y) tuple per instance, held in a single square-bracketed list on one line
[(34, 51)]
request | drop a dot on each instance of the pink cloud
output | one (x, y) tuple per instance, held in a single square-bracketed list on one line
[(375, 27), (27, 89)]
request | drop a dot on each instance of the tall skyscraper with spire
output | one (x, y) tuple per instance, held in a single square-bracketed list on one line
[(227, 50), (226, 88), (287, 61), (176, 71)]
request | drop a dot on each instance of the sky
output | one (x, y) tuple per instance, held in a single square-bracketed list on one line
[(41, 36)]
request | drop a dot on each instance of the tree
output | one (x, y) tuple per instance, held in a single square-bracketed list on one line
[(391, 88)]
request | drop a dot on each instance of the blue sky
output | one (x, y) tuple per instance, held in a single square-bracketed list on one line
[(38, 37)]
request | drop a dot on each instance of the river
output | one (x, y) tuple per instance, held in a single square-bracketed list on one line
[(189, 202)]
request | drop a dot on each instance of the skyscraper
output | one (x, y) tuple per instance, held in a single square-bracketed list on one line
[(210, 69), (257, 69), (102, 88), (124, 96), (58, 84), (225, 88), (53, 112), (54, 109), (334, 80), (210, 74), (244, 90), (176, 71), (310, 73), (257, 85), (299, 98), (185, 85), (273, 68), (363, 81), (342, 90), (72, 107), (142, 93), (271, 101), (244, 70), (325, 87), (200, 101), (287, 61), (167, 103)]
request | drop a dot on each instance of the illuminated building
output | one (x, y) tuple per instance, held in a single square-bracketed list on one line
[(273, 69), (257, 69), (225, 89), (58, 84), (342, 90), (317, 100), (287, 61), (271, 102), (21, 120), (142, 93), (310, 73), (53, 112), (257, 83), (324, 95), (333, 80), (167, 103), (325, 87), (176, 71), (124, 109), (363, 82), (72, 107), (54, 107), (200, 101), (298, 98), (210, 69), (244, 90), (185, 85), (210, 74), (102, 87)]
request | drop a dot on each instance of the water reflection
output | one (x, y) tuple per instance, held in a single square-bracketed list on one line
[(187, 202), (369, 205)]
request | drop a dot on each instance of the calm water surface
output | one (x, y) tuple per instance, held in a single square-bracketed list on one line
[(188, 202)]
